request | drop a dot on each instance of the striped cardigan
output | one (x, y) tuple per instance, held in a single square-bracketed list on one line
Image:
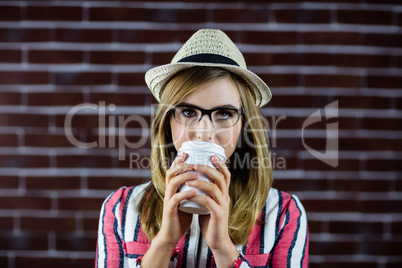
[(281, 241)]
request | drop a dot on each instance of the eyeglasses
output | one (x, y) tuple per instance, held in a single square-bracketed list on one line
[(220, 117)]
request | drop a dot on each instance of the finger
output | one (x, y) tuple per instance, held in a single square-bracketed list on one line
[(177, 198), (215, 175), (222, 167), (214, 209), (178, 169), (208, 187), (178, 180)]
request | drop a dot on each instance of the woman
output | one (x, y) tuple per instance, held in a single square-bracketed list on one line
[(250, 224)]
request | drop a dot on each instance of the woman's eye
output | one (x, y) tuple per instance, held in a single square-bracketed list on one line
[(188, 112), (222, 115)]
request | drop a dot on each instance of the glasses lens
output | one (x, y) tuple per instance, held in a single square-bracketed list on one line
[(225, 118), (221, 118), (187, 115)]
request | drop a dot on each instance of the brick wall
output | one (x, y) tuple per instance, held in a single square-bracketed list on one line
[(55, 55)]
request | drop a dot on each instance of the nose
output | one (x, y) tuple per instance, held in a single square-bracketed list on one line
[(204, 129)]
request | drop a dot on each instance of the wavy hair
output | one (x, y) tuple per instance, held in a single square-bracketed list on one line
[(250, 164)]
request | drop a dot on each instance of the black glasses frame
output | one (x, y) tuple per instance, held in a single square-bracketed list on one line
[(207, 112)]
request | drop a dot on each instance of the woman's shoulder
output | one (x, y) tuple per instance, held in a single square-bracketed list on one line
[(283, 202), (126, 194)]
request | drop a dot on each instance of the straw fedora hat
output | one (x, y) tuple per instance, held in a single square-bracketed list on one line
[(212, 48)]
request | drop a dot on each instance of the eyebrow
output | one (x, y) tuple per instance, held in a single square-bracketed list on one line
[(225, 106)]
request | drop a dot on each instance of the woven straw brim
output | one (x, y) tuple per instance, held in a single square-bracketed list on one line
[(158, 76)]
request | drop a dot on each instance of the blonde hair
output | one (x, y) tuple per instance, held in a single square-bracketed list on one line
[(249, 185)]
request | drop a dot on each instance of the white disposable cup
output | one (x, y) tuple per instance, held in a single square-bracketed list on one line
[(199, 152)]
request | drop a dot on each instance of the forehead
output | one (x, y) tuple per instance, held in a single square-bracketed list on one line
[(217, 93)]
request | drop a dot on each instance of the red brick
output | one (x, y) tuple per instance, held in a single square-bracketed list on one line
[(131, 79), (83, 78), (10, 98), (366, 17), (283, 123), (168, 15), (331, 38), (6, 223), (353, 227), (112, 183), (10, 13), (147, 36), (23, 242), (52, 183), (315, 227), (355, 185), (240, 15), (381, 206), (109, 14), (292, 185), (383, 40), (366, 144), (9, 182), (286, 143), (23, 78), (84, 161), (326, 80), (10, 56), (394, 264), (333, 248), (47, 224), (118, 99), (365, 61), (27, 120), (298, 101), (116, 57), (49, 140), (361, 102), (79, 121), (54, 13), (160, 58), (25, 202), (55, 56), (90, 224), (376, 81), (80, 203), (54, 99), (269, 38), (24, 35), (83, 35), (384, 164), (343, 164), (330, 205), (82, 262), (281, 80), (260, 59), (396, 227), (8, 140), (302, 16), (305, 59), (39, 262), (345, 264), (383, 248), (26, 161), (72, 242), (380, 123)]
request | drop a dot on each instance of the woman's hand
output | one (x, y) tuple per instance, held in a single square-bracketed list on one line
[(174, 222), (215, 226)]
